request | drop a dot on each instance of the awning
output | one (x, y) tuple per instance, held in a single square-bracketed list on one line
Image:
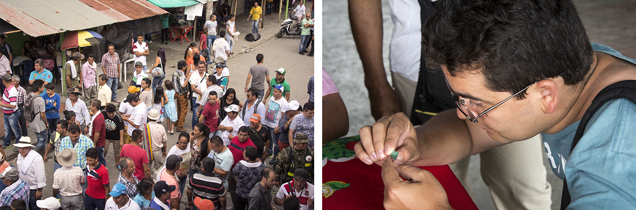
[(173, 3), (45, 17), (6, 28)]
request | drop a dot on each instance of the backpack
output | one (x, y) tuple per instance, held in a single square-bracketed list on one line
[(29, 112), (252, 37), (622, 89)]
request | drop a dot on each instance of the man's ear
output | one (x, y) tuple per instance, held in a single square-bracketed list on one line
[(548, 93)]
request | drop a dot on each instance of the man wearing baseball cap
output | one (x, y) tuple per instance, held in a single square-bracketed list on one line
[(162, 196), (278, 80), (17, 189), (274, 112), (139, 74), (260, 136), (230, 125), (291, 110), (119, 199), (299, 156), (168, 176), (139, 114)]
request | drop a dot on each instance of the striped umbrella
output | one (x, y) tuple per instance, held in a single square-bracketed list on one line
[(75, 39)]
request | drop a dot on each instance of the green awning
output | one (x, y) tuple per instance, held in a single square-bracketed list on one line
[(173, 3)]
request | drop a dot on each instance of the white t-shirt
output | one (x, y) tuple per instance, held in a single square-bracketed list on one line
[(125, 108), (300, 11), (140, 48), (230, 26), (4, 65), (219, 47), (196, 79), (405, 48), (235, 124), (250, 111), (211, 26), (111, 205), (274, 112), (139, 117), (303, 195)]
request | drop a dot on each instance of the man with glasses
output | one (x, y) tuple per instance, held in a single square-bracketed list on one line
[(514, 75)]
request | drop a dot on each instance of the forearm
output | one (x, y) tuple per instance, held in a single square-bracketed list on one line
[(95, 137), (335, 112), (174, 203), (366, 25), (146, 170), (220, 172), (278, 202)]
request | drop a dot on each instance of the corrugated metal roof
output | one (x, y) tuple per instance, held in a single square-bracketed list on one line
[(44, 17)]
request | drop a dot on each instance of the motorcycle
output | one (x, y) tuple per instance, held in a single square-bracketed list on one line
[(286, 27)]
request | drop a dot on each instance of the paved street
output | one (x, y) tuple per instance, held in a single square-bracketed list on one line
[(278, 53)]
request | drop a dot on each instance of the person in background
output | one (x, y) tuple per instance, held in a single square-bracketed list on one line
[(10, 110), (114, 131), (255, 14), (278, 80), (139, 115), (110, 67), (89, 70), (170, 108), (154, 141), (305, 33), (253, 105), (200, 140), (294, 157), (228, 99), (16, 189), (210, 114), (182, 149), (75, 104), (126, 177), (140, 49), (40, 73), (291, 110), (165, 28), (260, 136), (5, 166), (230, 27), (98, 182), (61, 132), (104, 93), (28, 51), (248, 173), (68, 181), (97, 130), (163, 192), (203, 45), (146, 93), (274, 112), (221, 48), (146, 193), (196, 79), (39, 124), (22, 94), (299, 187), (260, 74), (180, 80), (230, 125), (160, 61), (53, 102), (221, 73), (210, 26), (310, 89), (168, 175), (77, 142), (303, 123), (137, 154), (206, 186), (73, 72)]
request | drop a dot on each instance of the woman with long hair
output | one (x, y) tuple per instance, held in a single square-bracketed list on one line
[(159, 102), (182, 148), (228, 99), (170, 108), (146, 193), (70, 117), (160, 61), (199, 147)]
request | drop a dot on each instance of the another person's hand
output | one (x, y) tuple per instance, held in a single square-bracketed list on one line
[(384, 101), (420, 190), (388, 134), (45, 158), (38, 194)]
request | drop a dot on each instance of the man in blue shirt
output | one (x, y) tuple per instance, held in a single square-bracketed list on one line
[(514, 75), (162, 195), (41, 73)]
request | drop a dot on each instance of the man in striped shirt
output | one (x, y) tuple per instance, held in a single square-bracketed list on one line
[(206, 186), (10, 110), (110, 67)]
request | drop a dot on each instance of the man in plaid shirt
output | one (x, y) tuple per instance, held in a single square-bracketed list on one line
[(17, 189), (111, 66), (78, 142)]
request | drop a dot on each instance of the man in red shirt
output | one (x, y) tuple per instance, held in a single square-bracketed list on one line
[(210, 114), (98, 182), (238, 144), (98, 130), (134, 151)]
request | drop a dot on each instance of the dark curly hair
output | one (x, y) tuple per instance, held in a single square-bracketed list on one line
[(513, 43)]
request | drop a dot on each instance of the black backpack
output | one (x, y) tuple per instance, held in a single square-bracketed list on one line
[(623, 89), (252, 37), (29, 113)]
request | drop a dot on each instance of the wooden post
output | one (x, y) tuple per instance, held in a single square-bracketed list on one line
[(194, 34), (262, 14), (280, 9), (62, 72), (235, 6)]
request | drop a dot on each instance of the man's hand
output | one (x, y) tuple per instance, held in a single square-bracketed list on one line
[(388, 134), (276, 130), (407, 194), (38, 194), (45, 158), (384, 101)]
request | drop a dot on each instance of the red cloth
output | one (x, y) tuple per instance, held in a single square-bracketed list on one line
[(211, 113), (99, 125), (97, 179), (237, 148), (366, 190), (138, 156)]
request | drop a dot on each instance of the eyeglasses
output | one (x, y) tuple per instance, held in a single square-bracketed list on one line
[(463, 104)]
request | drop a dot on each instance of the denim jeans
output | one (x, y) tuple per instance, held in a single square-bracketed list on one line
[(269, 8), (261, 93), (273, 145), (11, 127), (92, 203), (56, 166), (195, 109), (22, 120), (228, 38), (303, 42), (156, 81), (254, 26), (211, 40), (32, 200), (112, 83), (41, 137), (101, 158)]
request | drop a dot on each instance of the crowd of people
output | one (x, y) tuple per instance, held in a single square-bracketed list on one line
[(223, 154)]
